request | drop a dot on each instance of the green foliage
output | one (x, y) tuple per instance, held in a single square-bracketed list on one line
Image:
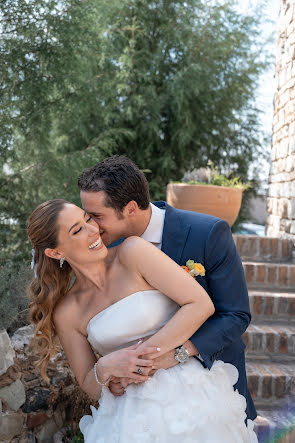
[(212, 176), (78, 438), (73, 436), (168, 83), (14, 280), (222, 180)]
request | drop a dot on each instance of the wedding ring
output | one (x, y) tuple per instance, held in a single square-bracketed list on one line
[(139, 371)]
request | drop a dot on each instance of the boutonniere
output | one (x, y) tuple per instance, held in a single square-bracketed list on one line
[(194, 269)]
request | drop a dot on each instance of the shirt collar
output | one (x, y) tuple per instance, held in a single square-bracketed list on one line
[(154, 230)]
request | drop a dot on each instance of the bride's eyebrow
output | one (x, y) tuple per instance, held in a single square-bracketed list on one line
[(75, 224)]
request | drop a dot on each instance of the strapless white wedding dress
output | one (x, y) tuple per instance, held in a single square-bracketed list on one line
[(184, 404)]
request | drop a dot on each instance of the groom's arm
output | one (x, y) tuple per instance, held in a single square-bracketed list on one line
[(228, 290)]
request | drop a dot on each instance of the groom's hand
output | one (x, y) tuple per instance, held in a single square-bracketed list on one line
[(167, 360), (116, 387)]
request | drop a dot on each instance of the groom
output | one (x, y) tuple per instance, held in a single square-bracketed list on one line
[(115, 192)]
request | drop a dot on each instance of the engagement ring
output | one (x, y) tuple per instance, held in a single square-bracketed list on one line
[(139, 371)]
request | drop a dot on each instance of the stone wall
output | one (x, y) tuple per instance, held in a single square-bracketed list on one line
[(30, 409), (281, 198)]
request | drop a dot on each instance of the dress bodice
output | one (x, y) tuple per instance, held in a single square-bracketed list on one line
[(136, 316)]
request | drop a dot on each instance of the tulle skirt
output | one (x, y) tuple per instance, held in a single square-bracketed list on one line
[(184, 404)]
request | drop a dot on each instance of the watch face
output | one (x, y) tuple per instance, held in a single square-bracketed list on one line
[(181, 355)]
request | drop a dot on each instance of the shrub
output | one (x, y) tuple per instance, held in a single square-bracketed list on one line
[(14, 281)]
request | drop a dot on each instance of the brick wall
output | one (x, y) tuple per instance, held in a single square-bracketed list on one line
[(281, 197)]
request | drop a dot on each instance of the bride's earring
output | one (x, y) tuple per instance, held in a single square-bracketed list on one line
[(61, 262)]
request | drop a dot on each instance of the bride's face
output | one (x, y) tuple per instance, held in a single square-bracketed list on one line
[(79, 240)]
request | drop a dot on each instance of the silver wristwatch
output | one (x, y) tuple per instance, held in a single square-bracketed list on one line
[(181, 354)]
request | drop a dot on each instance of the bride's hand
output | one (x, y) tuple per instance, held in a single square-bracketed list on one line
[(126, 363)]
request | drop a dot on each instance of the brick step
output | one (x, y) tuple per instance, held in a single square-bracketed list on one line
[(270, 383), (276, 425), (270, 343), (272, 306), (255, 248), (270, 275)]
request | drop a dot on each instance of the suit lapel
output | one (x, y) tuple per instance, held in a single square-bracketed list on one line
[(175, 232)]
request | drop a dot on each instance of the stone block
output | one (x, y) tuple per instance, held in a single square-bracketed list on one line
[(291, 129), (281, 119), (11, 425), (28, 437), (274, 190), (37, 399), (22, 337), (36, 419), (271, 205), (289, 164), (290, 29), (46, 432), (291, 144), (281, 165), (282, 149), (14, 395), (284, 203), (288, 17), (7, 353), (285, 97), (273, 153), (290, 106), (292, 230), (59, 417), (286, 191), (292, 204), (281, 82), (276, 223)]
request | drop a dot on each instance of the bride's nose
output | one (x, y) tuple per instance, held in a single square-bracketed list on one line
[(93, 228)]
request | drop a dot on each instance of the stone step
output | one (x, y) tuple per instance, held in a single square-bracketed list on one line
[(272, 306), (270, 383), (270, 275), (276, 425), (255, 248), (270, 342)]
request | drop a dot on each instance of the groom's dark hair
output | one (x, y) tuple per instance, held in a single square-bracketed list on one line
[(120, 179)]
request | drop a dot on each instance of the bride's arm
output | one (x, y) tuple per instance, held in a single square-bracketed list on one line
[(164, 274), (81, 358)]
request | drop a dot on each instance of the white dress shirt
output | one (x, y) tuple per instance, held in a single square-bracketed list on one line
[(154, 230)]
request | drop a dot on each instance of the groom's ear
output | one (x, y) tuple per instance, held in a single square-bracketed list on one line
[(131, 209), (53, 253)]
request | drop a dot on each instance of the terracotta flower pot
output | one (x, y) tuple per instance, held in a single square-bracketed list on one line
[(221, 201)]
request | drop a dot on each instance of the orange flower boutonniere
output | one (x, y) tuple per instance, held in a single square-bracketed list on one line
[(194, 269)]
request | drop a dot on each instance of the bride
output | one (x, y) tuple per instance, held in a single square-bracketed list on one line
[(119, 296)]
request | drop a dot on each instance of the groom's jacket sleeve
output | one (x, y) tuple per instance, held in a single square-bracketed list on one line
[(228, 290)]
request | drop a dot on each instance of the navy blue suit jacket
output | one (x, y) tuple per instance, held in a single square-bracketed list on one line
[(208, 240)]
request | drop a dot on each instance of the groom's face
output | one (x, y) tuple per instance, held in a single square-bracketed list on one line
[(112, 225)]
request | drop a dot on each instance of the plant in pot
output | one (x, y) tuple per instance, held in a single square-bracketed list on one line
[(208, 191)]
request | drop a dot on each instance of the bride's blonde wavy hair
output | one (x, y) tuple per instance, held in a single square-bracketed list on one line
[(51, 282)]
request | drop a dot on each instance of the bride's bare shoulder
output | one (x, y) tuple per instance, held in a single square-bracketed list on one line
[(133, 249), (65, 311)]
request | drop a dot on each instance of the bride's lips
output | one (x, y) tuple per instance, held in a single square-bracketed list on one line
[(97, 244)]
